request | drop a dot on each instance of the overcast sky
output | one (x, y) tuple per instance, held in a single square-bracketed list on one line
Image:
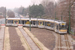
[(17, 3)]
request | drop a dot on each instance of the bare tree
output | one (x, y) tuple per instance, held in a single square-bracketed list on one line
[(48, 8), (10, 14), (67, 11)]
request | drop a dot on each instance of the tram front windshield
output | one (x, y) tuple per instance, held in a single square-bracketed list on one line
[(62, 27)]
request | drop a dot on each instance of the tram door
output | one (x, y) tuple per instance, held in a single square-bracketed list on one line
[(56, 27)]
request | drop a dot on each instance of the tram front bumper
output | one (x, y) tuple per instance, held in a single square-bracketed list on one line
[(62, 31)]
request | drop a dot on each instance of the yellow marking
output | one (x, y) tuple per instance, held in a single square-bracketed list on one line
[(63, 30), (63, 23), (6, 40)]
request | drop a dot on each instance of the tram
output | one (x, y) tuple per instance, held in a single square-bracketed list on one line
[(57, 26)]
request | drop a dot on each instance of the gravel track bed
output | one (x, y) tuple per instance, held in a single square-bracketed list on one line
[(45, 36), (2, 38), (29, 40), (15, 42)]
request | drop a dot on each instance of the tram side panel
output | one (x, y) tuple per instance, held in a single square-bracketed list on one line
[(15, 22), (49, 25), (27, 23), (34, 23), (57, 27), (9, 22), (12, 22), (23, 22)]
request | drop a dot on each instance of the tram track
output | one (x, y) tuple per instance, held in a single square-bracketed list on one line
[(67, 42), (30, 42), (59, 42), (63, 42), (35, 40)]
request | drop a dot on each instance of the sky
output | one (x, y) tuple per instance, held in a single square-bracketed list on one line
[(10, 4)]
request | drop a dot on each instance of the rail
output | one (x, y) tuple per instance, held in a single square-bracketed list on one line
[(63, 42)]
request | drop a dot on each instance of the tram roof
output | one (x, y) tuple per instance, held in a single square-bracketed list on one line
[(56, 21)]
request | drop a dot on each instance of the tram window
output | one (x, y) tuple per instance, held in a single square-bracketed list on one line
[(36, 22), (19, 21), (10, 21), (15, 22), (52, 25), (62, 27), (57, 27), (40, 23), (49, 24), (22, 21), (45, 23), (31, 22), (27, 22)]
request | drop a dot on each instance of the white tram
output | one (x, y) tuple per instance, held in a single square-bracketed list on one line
[(57, 26)]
